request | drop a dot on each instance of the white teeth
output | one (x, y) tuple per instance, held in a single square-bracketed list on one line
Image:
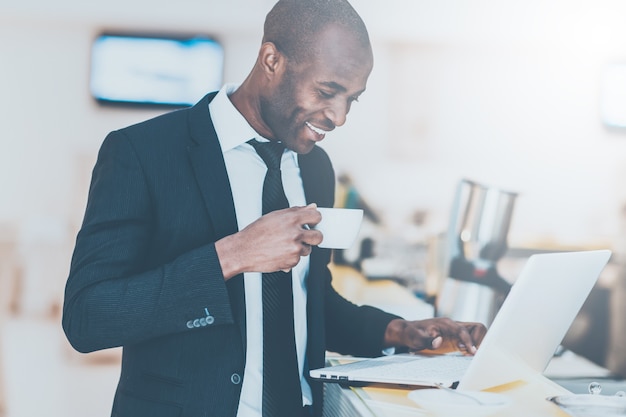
[(315, 129)]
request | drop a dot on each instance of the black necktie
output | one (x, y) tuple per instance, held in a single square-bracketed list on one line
[(282, 395)]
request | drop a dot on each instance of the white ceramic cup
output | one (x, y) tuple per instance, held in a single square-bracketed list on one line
[(339, 226)]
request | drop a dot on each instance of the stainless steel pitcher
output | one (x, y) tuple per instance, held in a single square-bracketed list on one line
[(477, 238), (480, 221)]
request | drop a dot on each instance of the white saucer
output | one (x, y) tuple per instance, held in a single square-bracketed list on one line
[(444, 402), (590, 405)]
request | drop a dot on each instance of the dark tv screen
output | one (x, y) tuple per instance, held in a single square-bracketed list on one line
[(154, 70)]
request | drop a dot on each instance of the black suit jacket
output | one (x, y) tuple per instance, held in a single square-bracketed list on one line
[(145, 274)]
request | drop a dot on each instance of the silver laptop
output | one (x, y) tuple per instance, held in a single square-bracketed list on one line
[(523, 337)]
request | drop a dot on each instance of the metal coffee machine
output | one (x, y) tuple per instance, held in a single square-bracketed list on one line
[(473, 290)]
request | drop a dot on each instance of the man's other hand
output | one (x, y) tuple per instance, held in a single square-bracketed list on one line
[(434, 334)]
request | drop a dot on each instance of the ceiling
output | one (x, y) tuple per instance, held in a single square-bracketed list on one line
[(498, 20)]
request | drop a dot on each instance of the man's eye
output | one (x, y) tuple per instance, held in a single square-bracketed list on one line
[(326, 94)]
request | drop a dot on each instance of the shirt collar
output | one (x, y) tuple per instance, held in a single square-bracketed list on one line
[(231, 127)]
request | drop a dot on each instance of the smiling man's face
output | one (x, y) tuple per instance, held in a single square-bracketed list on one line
[(313, 97)]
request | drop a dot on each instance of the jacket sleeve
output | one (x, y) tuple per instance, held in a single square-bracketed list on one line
[(111, 299), (349, 328), (353, 329)]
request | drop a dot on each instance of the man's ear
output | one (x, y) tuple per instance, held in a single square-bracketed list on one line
[(272, 61)]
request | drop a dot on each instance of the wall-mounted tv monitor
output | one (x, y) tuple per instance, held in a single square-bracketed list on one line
[(156, 70)]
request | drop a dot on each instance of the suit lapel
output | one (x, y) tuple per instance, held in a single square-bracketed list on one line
[(316, 179), (209, 168)]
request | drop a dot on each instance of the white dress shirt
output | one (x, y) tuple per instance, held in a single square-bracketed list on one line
[(246, 172)]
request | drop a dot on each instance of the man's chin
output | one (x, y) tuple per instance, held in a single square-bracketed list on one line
[(302, 147)]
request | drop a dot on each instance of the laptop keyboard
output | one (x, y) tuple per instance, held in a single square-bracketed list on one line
[(445, 367), (437, 367)]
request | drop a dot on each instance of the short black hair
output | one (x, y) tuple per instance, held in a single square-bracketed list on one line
[(292, 25)]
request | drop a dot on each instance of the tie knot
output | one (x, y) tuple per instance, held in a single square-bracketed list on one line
[(270, 152)]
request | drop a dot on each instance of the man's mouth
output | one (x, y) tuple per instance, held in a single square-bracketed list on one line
[(317, 130)]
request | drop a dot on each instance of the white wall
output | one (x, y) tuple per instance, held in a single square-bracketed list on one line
[(506, 93), (501, 92), (524, 117), (51, 133)]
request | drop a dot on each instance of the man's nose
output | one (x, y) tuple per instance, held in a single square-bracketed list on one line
[(338, 112)]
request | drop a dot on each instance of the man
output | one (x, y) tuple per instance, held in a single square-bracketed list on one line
[(172, 256)]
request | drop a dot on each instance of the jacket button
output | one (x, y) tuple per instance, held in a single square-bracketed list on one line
[(190, 324), (235, 379), (196, 323), (203, 321), (210, 319)]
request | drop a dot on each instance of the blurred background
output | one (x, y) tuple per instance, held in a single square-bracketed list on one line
[(528, 97)]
